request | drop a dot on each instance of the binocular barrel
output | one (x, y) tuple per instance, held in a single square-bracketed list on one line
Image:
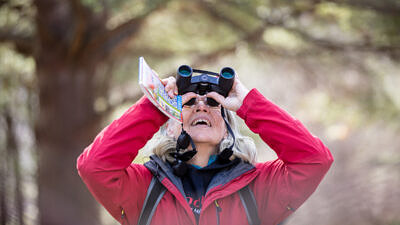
[(222, 84), (225, 81), (183, 78)]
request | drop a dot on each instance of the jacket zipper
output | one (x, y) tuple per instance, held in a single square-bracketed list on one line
[(218, 211), (123, 217)]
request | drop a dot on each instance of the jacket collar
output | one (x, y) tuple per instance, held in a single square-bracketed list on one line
[(162, 170)]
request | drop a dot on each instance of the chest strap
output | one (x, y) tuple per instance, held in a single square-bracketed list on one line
[(154, 194), (156, 191), (250, 205)]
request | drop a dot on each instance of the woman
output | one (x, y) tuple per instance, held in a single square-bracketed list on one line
[(207, 193)]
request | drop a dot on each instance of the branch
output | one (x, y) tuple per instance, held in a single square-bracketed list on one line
[(329, 44), (335, 46), (251, 37), (4, 2), (215, 14), (24, 44), (247, 36), (105, 44), (79, 28)]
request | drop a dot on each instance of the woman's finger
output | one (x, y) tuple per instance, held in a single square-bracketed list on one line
[(170, 83), (186, 97), (176, 90), (217, 97), (170, 86), (164, 81)]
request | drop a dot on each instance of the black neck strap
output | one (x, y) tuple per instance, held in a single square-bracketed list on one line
[(190, 138), (186, 156), (224, 155)]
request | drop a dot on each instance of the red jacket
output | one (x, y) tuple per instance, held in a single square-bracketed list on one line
[(279, 186)]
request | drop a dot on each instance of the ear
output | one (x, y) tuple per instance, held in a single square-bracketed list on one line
[(173, 129), (226, 135)]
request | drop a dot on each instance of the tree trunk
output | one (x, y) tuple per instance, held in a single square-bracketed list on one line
[(72, 42), (66, 124)]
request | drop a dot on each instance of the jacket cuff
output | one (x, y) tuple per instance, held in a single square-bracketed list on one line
[(248, 101)]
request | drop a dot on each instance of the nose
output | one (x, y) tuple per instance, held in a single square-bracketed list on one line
[(201, 105)]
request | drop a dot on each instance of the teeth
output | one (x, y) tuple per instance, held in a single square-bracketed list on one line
[(201, 120)]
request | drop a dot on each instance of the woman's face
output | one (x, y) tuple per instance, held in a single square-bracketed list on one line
[(204, 123)]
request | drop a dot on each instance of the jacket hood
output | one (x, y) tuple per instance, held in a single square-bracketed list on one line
[(162, 170)]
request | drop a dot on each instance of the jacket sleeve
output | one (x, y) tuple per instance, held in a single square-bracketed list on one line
[(303, 160), (106, 165)]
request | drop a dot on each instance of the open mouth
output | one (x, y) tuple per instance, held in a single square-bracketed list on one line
[(203, 122)]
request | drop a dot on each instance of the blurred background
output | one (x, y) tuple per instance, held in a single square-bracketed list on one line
[(69, 67)]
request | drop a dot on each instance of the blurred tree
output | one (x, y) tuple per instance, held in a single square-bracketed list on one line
[(69, 42), (75, 44)]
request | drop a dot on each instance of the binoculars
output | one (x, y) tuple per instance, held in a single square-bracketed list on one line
[(201, 81)]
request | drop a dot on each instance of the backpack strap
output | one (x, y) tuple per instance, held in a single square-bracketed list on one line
[(250, 205), (155, 192)]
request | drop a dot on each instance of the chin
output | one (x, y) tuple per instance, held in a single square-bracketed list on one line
[(201, 138), (205, 135)]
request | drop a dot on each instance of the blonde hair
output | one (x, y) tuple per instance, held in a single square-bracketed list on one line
[(162, 144)]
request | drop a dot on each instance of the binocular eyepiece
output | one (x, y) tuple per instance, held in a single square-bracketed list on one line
[(205, 82)]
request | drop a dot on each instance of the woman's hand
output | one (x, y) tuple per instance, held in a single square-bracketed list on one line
[(232, 102), (235, 98), (172, 89), (170, 86)]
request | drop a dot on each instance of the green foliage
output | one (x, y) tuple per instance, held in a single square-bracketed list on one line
[(284, 39), (184, 29), (377, 27), (18, 16), (16, 73)]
